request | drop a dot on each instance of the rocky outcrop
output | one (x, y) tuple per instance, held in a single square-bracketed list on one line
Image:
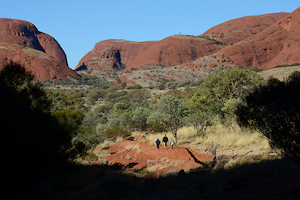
[(241, 28), (112, 54), (21, 42), (173, 50), (277, 45)]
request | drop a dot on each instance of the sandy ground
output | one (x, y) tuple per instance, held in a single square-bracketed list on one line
[(137, 155)]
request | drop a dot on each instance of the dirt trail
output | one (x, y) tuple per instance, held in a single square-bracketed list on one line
[(136, 155)]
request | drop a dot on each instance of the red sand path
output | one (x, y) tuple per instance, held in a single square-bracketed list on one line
[(136, 159)]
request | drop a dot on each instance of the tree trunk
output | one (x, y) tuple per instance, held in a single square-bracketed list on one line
[(175, 135)]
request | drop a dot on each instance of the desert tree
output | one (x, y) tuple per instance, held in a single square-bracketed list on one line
[(27, 124), (232, 83), (274, 110), (170, 112), (202, 110), (139, 117)]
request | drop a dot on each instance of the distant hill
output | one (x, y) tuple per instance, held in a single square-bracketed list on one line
[(181, 50), (276, 45), (21, 42)]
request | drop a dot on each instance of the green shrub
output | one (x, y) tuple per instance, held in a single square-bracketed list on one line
[(113, 132), (111, 96), (136, 86), (84, 140)]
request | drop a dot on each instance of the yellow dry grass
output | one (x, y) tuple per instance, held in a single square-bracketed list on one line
[(154, 168), (129, 147), (232, 136), (101, 153)]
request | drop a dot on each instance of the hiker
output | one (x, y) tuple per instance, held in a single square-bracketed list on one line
[(165, 140), (157, 144), (172, 142)]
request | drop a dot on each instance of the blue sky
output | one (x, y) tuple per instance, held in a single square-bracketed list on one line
[(79, 25)]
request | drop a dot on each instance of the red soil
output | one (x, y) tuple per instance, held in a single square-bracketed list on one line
[(136, 159), (125, 79)]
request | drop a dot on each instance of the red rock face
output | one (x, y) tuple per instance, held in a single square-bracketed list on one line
[(277, 45), (110, 54), (241, 28), (173, 50), (21, 42)]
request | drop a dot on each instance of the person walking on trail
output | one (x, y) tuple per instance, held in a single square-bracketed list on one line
[(157, 144), (165, 140), (172, 142)]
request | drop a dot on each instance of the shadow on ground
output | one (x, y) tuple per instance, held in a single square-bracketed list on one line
[(266, 180)]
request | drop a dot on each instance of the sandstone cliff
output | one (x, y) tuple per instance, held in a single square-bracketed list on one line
[(177, 49), (276, 45), (21, 42)]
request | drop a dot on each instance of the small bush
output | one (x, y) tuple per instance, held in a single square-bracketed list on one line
[(113, 132), (136, 86)]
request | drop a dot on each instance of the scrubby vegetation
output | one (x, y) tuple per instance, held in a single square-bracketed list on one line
[(53, 126)]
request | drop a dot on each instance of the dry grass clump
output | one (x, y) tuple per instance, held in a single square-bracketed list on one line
[(101, 153), (130, 147), (105, 143), (137, 134), (239, 161), (234, 136), (154, 168), (227, 136), (120, 139), (231, 136), (177, 163)]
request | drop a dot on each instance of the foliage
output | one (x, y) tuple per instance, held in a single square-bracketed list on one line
[(81, 80), (229, 109), (70, 120), (84, 140), (286, 65), (135, 86), (139, 118), (233, 83), (161, 85), (202, 111), (17, 78), (111, 96), (66, 99), (28, 130), (274, 109), (92, 119), (82, 128), (115, 131), (170, 112), (123, 84)]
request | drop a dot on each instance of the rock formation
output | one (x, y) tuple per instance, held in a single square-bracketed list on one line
[(241, 28), (21, 42), (174, 50), (276, 45)]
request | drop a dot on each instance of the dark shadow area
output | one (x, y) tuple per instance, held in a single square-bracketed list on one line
[(131, 165), (82, 67), (266, 180)]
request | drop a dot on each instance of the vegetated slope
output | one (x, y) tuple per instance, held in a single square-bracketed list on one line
[(280, 73), (276, 45), (174, 50), (21, 42)]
